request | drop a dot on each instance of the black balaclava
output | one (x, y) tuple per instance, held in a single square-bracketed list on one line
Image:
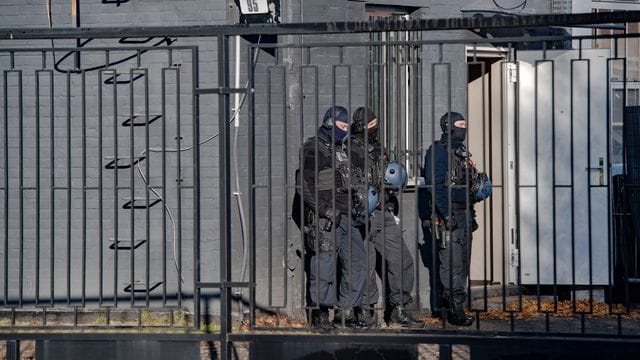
[(328, 128), (447, 122), (360, 120)]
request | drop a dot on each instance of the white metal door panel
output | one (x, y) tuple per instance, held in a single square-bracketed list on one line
[(561, 118)]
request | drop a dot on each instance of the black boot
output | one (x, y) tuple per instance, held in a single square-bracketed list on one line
[(457, 316), (399, 316), (366, 317), (347, 318), (320, 319)]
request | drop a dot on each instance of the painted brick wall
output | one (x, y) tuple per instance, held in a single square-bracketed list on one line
[(64, 235), (280, 81)]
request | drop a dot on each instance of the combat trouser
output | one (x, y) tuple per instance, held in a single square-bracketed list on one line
[(326, 287), (455, 253), (386, 237)]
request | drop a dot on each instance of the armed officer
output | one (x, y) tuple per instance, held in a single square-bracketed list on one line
[(384, 232), (454, 185), (328, 180)]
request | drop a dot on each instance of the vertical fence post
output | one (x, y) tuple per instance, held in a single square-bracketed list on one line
[(13, 350), (225, 196), (196, 201)]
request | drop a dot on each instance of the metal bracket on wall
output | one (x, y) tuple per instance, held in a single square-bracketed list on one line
[(126, 78), (141, 120), (125, 244), (119, 162), (139, 203), (139, 286)]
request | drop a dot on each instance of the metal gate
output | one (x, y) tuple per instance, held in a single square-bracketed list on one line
[(128, 172)]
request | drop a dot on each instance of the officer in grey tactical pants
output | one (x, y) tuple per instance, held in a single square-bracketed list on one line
[(396, 268), (322, 210)]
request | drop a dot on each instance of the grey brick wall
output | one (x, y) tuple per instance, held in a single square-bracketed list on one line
[(287, 111), (67, 246)]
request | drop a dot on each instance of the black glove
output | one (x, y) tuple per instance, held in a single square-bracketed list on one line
[(334, 219), (392, 204), (360, 202), (474, 225), (449, 223), (310, 234)]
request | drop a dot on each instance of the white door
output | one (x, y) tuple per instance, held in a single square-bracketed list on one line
[(562, 210)]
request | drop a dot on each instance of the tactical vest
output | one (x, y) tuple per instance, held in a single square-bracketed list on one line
[(373, 156), (343, 178)]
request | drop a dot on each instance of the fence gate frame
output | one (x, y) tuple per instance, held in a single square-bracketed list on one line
[(222, 33)]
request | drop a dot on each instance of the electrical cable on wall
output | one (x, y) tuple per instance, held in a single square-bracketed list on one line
[(237, 193), (47, 4)]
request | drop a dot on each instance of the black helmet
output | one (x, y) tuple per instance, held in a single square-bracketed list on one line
[(361, 118), (448, 119), (334, 113)]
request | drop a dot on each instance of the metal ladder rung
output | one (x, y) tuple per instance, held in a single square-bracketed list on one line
[(128, 40), (110, 80), (139, 286), (152, 118), (125, 244), (115, 162), (133, 203)]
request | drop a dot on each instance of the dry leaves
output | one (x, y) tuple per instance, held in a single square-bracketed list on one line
[(564, 309), (530, 309), (274, 321)]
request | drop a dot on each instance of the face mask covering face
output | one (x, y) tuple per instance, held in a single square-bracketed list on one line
[(458, 134), (340, 134)]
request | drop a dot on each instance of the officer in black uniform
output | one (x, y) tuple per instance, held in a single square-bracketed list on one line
[(447, 173), (326, 179), (384, 233)]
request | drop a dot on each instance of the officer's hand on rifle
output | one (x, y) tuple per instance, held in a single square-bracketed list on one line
[(449, 223), (332, 218), (311, 234), (474, 225)]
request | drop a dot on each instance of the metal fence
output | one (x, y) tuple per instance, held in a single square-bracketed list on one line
[(132, 198)]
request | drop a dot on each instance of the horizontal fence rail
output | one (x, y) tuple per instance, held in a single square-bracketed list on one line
[(470, 23)]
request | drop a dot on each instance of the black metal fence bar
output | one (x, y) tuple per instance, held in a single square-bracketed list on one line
[(84, 193), (69, 186), (225, 198), (100, 191), (251, 152)]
